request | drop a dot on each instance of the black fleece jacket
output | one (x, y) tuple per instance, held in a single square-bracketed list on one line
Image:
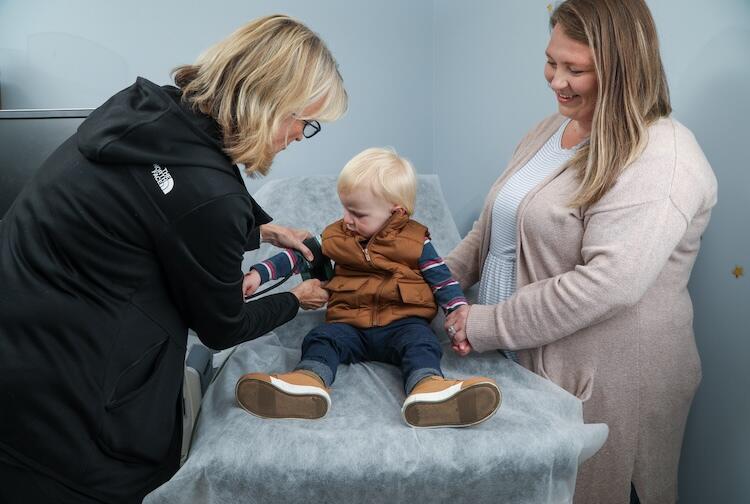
[(131, 232)]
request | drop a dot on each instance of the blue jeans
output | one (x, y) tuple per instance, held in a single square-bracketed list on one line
[(408, 343)]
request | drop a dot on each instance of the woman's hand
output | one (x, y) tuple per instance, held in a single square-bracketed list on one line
[(284, 237), (310, 294), (455, 321), (250, 283), (455, 325)]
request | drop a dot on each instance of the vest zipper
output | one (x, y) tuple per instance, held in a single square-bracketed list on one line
[(374, 318), (377, 302), (365, 251)]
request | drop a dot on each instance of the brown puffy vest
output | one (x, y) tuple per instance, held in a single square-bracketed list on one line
[(377, 282)]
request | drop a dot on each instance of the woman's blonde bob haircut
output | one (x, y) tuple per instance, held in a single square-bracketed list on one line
[(632, 86), (256, 78), (385, 173)]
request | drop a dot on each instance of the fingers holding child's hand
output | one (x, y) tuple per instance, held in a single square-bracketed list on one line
[(310, 294), (455, 321), (455, 325)]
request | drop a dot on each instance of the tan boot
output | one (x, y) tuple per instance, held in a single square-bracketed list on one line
[(437, 402), (299, 394)]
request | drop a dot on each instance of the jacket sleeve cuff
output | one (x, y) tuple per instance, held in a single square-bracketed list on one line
[(294, 301), (480, 328)]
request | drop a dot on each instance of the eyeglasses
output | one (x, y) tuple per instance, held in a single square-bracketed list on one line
[(311, 128)]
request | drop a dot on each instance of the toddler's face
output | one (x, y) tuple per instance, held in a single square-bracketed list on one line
[(364, 212)]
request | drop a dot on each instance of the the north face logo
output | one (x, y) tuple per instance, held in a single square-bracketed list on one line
[(163, 178)]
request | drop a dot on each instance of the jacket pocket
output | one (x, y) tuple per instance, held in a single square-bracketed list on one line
[(140, 412), (135, 379)]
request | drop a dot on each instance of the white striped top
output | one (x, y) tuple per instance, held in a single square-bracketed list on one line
[(498, 281)]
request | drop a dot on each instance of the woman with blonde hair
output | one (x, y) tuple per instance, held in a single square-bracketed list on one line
[(585, 245), (132, 232)]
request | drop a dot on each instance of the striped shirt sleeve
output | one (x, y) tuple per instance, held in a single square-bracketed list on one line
[(286, 262), (448, 293)]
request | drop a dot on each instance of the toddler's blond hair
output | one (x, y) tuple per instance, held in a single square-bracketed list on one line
[(385, 173)]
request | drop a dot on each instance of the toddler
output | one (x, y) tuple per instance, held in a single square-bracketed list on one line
[(388, 280)]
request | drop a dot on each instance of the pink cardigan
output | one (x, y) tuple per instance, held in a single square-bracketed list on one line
[(602, 307)]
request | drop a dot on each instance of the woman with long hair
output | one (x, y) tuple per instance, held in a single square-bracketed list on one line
[(585, 245)]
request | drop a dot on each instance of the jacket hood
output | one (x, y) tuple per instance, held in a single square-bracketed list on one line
[(147, 124)]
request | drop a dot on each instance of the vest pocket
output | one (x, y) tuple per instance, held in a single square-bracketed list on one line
[(345, 284), (346, 298), (347, 291), (416, 294)]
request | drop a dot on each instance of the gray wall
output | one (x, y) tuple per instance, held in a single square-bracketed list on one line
[(707, 62), (454, 86), (489, 90), (76, 53)]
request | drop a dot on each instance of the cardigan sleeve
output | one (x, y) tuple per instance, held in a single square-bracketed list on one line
[(624, 249)]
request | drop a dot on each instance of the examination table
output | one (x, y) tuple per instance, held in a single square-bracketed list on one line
[(362, 451)]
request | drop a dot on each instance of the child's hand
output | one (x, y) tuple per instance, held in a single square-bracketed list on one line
[(460, 344), (250, 283)]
